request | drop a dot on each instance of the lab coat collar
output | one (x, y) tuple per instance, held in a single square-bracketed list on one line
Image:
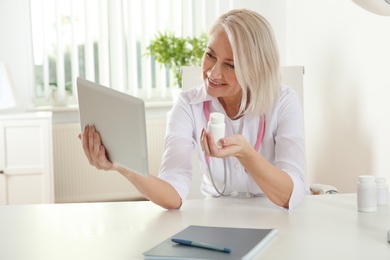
[(199, 95)]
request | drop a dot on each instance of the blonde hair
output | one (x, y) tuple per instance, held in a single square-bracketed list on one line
[(256, 59)]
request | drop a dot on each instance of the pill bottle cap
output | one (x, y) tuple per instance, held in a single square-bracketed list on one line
[(366, 178), (380, 179), (217, 118)]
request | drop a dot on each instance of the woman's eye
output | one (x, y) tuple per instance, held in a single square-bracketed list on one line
[(210, 55), (230, 66)]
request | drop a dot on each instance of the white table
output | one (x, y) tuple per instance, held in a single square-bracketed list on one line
[(322, 227)]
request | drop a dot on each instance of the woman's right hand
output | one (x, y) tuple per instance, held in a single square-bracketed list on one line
[(94, 150), (153, 188)]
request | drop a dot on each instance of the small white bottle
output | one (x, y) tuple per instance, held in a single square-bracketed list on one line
[(216, 127), (382, 191), (367, 194)]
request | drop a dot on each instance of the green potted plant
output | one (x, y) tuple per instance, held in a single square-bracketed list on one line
[(174, 52)]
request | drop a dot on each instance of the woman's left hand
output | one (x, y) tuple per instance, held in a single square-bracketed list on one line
[(234, 145)]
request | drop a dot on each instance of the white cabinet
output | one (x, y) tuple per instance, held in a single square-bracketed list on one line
[(26, 160)]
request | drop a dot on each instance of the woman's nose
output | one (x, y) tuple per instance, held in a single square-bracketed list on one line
[(216, 71)]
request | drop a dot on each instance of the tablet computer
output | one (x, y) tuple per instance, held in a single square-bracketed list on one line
[(120, 120)]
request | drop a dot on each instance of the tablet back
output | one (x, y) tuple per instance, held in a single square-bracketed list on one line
[(120, 120)]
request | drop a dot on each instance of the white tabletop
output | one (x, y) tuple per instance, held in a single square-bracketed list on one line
[(322, 227)]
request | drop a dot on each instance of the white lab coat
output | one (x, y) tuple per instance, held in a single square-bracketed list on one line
[(283, 145)]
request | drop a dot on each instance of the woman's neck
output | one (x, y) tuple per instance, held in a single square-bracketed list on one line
[(231, 106)]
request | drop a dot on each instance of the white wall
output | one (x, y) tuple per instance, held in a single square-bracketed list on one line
[(346, 54), (15, 50)]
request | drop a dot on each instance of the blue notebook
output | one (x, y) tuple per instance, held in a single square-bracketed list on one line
[(245, 243)]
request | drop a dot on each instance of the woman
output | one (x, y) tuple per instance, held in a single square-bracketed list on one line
[(263, 151)]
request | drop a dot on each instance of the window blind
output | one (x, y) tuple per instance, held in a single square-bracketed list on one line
[(105, 41)]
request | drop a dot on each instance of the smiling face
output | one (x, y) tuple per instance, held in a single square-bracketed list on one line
[(218, 70)]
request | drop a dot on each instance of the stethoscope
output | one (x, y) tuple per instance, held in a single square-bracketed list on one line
[(260, 136)]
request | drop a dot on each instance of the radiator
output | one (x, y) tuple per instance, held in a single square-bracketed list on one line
[(77, 181)]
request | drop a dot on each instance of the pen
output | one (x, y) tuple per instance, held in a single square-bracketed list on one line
[(201, 245)]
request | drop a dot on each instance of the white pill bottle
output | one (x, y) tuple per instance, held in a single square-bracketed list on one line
[(382, 191), (366, 194), (216, 127)]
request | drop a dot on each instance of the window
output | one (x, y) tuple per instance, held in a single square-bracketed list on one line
[(105, 41)]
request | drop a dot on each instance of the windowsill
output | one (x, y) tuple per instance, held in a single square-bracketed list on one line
[(73, 108), (70, 113), (64, 108)]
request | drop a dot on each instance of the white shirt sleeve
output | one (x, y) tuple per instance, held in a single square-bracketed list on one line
[(290, 143), (182, 134)]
